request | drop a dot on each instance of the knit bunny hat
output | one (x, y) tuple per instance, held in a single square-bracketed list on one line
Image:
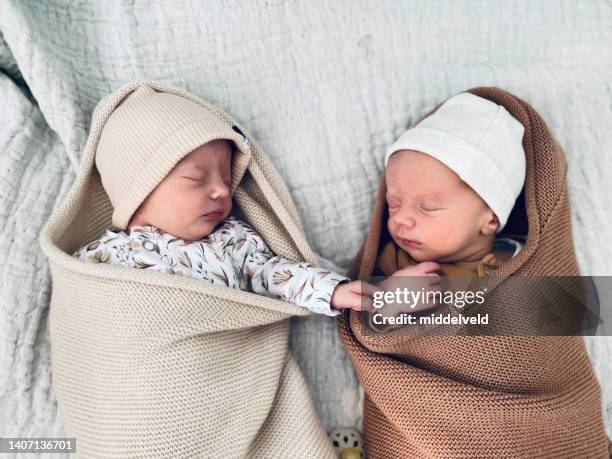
[(145, 137)]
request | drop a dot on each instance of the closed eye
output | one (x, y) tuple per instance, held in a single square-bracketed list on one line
[(392, 202), (431, 209)]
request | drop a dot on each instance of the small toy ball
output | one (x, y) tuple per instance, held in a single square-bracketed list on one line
[(351, 453), (347, 443)]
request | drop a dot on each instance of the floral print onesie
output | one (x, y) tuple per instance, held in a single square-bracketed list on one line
[(234, 255)]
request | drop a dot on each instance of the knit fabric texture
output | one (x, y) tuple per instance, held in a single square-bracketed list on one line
[(147, 134), (486, 396), (147, 364)]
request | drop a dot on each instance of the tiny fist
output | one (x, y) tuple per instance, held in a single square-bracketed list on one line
[(349, 295), (428, 266)]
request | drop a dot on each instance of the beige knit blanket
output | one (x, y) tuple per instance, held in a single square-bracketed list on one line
[(147, 364)]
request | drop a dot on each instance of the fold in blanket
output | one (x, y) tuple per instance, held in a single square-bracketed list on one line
[(147, 364), (485, 396)]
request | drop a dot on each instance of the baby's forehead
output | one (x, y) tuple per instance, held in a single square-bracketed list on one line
[(417, 193), (405, 160), (402, 179), (207, 153)]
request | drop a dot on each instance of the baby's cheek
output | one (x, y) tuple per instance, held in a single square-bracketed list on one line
[(447, 233), (393, 227)]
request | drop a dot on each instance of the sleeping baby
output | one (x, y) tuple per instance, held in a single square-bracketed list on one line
[(451, 182), (166, 164)]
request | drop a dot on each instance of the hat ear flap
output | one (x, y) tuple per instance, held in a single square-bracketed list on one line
[(241, 158)]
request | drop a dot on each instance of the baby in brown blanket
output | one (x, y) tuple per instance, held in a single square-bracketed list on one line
[(450, 185), (451, 182)]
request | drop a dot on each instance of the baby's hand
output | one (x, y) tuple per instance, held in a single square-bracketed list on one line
[(423, 277), (426, 268), (355, 295)]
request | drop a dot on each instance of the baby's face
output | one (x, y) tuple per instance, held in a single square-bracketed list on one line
[(194, 197), (433, 214)]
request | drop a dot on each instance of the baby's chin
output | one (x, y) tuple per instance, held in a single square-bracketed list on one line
[(204, 229), (420, 254), (194, 232), (417, 253)]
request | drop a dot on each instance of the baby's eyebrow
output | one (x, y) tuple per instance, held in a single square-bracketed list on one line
[(191, 166), (437, 197), (390, 196)]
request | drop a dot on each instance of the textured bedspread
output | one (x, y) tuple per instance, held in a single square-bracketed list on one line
[(325, 88)]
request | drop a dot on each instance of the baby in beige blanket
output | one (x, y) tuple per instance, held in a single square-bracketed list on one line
[(166, 165)]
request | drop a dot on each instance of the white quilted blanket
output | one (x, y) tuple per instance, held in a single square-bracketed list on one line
[(324, 87)]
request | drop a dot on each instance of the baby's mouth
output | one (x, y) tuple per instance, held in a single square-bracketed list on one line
[(213, 214), (410, 243)]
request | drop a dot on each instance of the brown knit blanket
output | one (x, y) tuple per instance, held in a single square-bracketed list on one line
[(485, 396)]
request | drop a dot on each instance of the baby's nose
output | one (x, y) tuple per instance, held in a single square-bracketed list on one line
[(404, 222), (219, 191)]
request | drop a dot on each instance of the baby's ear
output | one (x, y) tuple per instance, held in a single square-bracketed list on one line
[(491, 223)]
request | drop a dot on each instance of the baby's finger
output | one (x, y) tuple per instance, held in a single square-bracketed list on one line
[(368, 290), (356, 301), (429, 266), (359, 303), (365, 304)]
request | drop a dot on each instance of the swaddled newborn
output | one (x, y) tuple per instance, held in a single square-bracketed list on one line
[(166, 165), (451, 183), (504, 390)]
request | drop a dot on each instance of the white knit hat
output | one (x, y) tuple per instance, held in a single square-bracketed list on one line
[(145, 137), (480, 141)]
